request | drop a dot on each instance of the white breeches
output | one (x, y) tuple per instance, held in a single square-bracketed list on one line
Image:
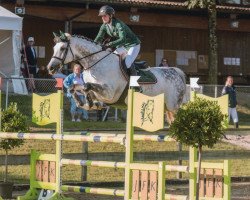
[(130, 54), (232, 113)]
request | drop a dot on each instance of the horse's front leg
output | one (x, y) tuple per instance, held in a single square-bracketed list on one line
[(85, 105)]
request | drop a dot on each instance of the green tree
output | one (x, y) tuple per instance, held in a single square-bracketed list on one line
[(210, 5), (12, 121), (198, 123)]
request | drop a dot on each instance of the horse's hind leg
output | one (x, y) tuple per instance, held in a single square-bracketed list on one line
[(170, 117)]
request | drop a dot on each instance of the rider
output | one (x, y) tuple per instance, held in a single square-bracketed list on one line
[(121, 37)]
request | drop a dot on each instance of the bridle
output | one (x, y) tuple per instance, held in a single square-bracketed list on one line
[(78, 59), (65, 54)]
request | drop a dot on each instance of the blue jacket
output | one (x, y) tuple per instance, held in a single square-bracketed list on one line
[(69, 82)]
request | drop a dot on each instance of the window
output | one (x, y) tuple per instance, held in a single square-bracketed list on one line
[(246, 2), (230, 1)]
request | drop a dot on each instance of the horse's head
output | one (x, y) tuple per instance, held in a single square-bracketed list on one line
[(72, 49), (62, 52)]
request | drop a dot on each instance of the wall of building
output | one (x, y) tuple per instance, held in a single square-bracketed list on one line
[(42, 30), (156, 31)]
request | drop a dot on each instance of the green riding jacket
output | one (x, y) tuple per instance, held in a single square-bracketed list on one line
[(120, 33)]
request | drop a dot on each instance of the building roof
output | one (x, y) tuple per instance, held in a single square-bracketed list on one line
[(172, 4)]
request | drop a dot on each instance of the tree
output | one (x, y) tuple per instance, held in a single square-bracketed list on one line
[(12, 121), (210, 5), (198, 123)]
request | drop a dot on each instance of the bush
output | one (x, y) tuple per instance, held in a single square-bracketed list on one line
[(12, 121), (199, 122)]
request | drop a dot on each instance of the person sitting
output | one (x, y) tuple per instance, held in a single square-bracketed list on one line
[(122, 37), (164, 63), (43, 73)]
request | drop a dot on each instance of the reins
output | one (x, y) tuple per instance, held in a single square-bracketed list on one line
[(98, 61), (77, 60)]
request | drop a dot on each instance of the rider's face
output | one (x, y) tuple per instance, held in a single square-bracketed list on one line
[(106, 19)]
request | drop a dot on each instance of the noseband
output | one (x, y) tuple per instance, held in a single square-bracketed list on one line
[(65, 54), (78, 59)]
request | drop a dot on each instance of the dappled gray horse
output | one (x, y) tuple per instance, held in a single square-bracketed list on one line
[(105, 81)]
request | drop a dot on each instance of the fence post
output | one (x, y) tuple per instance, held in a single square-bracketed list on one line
[(116, 114), (161, 180), (179, 148), (215, 91), (192, 172), (85, 146), (227, 180), (7, 94)]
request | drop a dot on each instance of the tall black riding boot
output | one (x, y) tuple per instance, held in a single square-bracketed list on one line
[(132, 70)]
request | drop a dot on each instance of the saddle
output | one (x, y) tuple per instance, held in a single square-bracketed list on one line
[(146, 77), (142, 70)]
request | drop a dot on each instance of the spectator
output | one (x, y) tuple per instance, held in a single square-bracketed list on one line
[(229, 89), (76, 78), (164, 63), (31, 56), (43, 73), (29, 64)]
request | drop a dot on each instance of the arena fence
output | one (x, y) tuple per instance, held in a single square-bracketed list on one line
[(20, 90)]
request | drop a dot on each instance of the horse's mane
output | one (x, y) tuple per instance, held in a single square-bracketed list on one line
[(85, 38)]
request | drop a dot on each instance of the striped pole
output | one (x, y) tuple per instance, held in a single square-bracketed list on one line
[(138, 137), (59, 137), (122, 165)]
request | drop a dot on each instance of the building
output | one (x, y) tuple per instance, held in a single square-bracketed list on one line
[(166, 28)]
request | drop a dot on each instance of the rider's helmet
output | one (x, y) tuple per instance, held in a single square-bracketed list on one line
[(106, 10)]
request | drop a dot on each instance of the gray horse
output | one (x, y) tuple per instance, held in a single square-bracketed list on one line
[(106, 82)]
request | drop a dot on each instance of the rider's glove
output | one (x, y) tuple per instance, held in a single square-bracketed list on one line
[(107, 47)]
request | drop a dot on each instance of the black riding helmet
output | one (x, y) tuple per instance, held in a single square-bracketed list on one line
[(106, 10)]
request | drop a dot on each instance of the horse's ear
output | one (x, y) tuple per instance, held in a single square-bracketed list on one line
[(55, 34), (56, 37)]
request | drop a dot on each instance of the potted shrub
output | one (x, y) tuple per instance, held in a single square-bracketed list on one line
[(11, 121), (198, 123)]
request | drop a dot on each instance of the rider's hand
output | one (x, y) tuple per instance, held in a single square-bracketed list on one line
[(107, 47)]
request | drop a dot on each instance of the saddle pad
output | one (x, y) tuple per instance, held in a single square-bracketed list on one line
[(147, 77)]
